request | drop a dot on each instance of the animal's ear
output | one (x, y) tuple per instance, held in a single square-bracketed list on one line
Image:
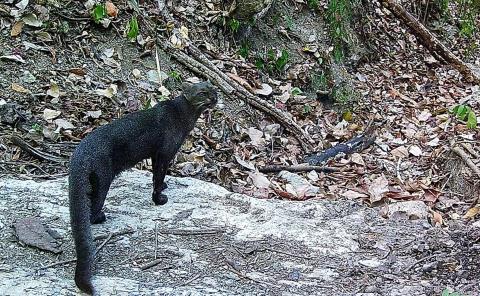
[(186, 85)]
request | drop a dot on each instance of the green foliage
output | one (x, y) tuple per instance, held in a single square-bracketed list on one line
[(313, 4), (175, 76), (338, 18), (234, 25), (344, 96), (319, 81), (446, 292), (271, 62), (468, 12), (132, 28), (244, 49), (296, 91), (282, 61), (64, 27), (307, 109), (465, 113), (443, 5), (37, 128), (259, 63), (289, 22), (99, 12)]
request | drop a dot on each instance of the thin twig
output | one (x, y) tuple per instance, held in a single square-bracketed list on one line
[(191, 231), (460, 152), (56, 263), (154, 263), (104, 243), (198, 275), (288, 254), (420, 261)]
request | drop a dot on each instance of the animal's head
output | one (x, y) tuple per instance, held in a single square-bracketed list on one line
[(200, 95)]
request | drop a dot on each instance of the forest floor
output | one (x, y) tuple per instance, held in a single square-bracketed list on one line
[(66, 75)]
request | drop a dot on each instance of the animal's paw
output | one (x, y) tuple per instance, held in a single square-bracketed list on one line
[(164, 186), (159, 199), (98, 218)]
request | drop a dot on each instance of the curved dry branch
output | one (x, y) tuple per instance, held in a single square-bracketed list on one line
[(436, 48), (197, 62)]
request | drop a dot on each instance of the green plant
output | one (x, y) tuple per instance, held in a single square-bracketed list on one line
[(234, 25), (465, 113), (133, 29), (63, 27), (282, 61), (344, 96), (319, 81), (443, 6), (271, 62), (469, 11), (313, 4), (307, 109), (244, 49), (446, 292), (289, 22), (37, 128), (338, 18), (259, 63), (296, 91), (175, 76), (99, 12)]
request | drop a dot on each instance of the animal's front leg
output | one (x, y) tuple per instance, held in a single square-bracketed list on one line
[(159, 172)]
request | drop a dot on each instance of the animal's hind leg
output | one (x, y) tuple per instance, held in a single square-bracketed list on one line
[(100, 186)]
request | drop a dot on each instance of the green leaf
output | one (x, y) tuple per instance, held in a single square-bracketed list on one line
[(99, 12), (271, 55), (296, 91), (132, 28), (282, 61), (234, 25), (462, 111), (471, 120), (260, 63)]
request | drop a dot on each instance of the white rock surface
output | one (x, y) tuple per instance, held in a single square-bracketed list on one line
[(260, 247)]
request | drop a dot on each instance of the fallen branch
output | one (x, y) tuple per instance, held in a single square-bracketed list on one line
[(460, 152), (436, 48), (298, 168), (202, 66), (34, 152), (190, 231), (354, 145)]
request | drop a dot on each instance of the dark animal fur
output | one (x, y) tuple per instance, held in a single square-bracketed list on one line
[(157, 133)]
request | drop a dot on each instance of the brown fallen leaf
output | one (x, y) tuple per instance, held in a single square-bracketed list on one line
[(377, 189), (20, 89), (437, 218), (78, 71), (112, 10), (17, 28), (471, 213)]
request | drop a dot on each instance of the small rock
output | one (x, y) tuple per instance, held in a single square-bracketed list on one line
[(413, 209), (31, 232)]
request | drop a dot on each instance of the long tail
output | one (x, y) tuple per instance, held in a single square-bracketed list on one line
[(79, 188)]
